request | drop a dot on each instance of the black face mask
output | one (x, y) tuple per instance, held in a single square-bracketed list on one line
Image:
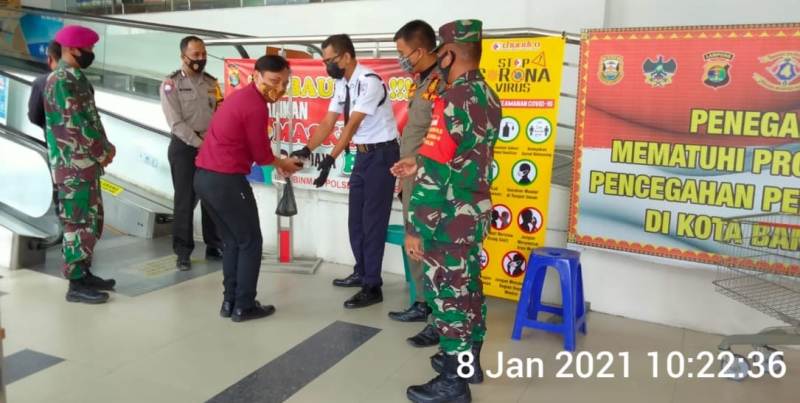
[(446, 70), (85, 59), (334, 70), (197, 65)]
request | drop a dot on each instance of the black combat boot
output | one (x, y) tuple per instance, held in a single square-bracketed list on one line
[(97, 283), (427, 337), (447, 387), (437, 362), (79, 292)]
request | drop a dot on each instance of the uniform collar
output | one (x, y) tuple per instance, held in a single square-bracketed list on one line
[(425, 74), (357, 73), (472, 75), (62, 65)]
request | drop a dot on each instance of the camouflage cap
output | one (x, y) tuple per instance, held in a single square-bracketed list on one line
[(460, 31)]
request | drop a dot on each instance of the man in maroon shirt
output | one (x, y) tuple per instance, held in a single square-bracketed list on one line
[(237, 138)]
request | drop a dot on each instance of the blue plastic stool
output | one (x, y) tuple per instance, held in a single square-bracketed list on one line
[(573, 314), (397, 236)]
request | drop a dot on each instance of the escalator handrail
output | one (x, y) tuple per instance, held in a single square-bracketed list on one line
[(16, 136), (40, 147), (140, 24), (101, 110)]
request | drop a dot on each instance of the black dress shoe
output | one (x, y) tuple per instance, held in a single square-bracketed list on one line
[(227, 309), (97, 283), (418, 312), (78, 292), (254, 312), (183, 264), (353, 280), (427, 337), (364, 298), (214, 254)]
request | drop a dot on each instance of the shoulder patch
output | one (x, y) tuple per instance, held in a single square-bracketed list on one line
[(168, 85)]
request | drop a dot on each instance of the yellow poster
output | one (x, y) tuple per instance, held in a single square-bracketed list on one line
[(526, 75)]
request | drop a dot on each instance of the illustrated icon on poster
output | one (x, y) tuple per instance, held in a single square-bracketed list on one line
[(524, 172), (514, 264), (509, 129), (530, 220), (539, 130), (483, 259), (501, 217), (495, 171)]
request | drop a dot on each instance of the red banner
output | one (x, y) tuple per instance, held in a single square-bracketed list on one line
[(306, 104), (682, 130)]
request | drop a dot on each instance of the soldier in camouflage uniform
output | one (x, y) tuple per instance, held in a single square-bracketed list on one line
[(450, 210), (79, 150)]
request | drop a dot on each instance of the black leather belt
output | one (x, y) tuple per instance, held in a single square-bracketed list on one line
[(365, 148)]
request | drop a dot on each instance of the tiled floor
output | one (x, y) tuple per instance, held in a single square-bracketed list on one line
[(170, 345)]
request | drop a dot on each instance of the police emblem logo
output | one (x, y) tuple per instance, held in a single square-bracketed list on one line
[(659, 73), (610, 71), (784, 70), (716, 73)]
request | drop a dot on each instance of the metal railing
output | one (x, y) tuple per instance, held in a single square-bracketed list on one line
[(106, 7)]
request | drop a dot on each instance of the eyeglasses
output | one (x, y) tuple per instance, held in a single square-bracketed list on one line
[(331, 59)]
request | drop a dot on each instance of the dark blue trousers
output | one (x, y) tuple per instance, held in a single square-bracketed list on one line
[(371, 193)]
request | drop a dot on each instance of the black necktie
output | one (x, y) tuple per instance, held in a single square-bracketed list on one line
[(347, 112)]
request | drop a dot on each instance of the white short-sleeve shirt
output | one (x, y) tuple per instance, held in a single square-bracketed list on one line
[(366, 92)]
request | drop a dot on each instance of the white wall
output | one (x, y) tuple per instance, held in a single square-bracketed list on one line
[(382, 16), (646, 13)]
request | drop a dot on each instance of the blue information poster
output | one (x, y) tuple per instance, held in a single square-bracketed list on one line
[(3, 100), (38, 31)]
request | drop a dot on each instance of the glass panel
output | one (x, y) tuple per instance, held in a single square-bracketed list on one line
[(141, 154), (25, 183), (18, 94), (141, 157), (127, 59)]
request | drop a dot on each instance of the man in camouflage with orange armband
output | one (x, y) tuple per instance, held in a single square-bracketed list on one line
[(450, 209)]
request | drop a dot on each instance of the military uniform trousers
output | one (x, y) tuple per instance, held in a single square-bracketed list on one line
[(80, 210), (181, 161), (455, 293)]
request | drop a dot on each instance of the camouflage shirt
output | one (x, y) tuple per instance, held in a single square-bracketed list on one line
[(451, 201), (75, 136)]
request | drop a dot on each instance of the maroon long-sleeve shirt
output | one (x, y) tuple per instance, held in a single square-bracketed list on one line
[(237, 135)]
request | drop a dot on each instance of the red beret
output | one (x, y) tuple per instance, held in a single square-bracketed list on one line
[(76, 36)]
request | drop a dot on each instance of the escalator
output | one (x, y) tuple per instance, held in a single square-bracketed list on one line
[(131, 60)]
